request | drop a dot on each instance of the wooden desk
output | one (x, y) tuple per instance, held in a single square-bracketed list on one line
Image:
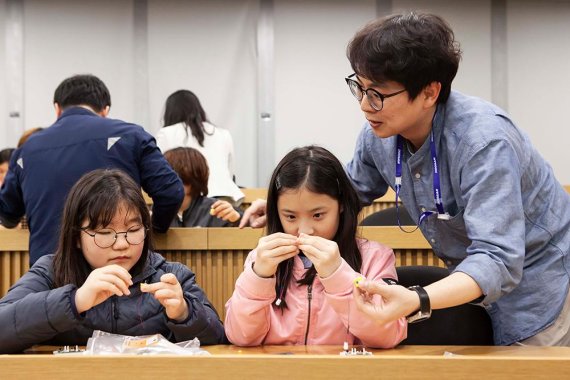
[(303, 362), (216, 255)]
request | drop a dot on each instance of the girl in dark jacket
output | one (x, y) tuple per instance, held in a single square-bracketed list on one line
[(197, 209), (105, 276)]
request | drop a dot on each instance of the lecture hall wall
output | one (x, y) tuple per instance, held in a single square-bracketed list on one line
[(516, 53)]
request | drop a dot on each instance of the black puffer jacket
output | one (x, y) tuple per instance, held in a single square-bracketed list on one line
[(33, 312)]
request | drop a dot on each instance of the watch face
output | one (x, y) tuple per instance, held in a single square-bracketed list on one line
[(416, 318)]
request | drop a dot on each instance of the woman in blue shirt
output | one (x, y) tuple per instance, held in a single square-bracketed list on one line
[(484, 198)]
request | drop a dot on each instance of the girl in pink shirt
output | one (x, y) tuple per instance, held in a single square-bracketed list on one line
[(297, 286)]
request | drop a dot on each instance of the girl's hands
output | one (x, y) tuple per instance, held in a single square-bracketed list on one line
[(225, 211), (170, 295), (101, 284), (323, 253), (273, 249)]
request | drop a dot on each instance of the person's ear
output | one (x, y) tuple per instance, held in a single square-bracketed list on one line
[(58, 110), (431, 94), (105, 111)]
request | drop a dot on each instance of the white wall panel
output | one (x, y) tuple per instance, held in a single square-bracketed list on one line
[(313, 102), (208, 48), (5, 140), (63, 38), (539, 76)]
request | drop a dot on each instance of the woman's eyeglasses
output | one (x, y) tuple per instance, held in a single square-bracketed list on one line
[(106, 237), (375, 98)]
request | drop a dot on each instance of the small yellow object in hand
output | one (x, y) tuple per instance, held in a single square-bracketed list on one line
[(144, 286), (358, 280), (212, 211)]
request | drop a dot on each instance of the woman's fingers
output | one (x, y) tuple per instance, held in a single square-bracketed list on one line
[(164, 294), (375, 287), (254, 215), (229, 214), (109, 287), (167, 281), (119, 272), (117, 282), (221, 209), (283, 252), (277, 242), (169, 278)]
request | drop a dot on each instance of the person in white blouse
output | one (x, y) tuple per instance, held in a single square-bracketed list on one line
[(186, 125)]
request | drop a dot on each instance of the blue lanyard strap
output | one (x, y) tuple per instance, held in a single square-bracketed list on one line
[(441, 214), (436, 183)]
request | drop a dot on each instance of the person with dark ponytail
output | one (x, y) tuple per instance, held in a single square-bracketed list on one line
[(297, 286)]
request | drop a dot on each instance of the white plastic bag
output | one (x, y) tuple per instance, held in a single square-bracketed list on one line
[(104, 343)]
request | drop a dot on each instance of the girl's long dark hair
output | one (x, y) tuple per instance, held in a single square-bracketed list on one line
[(94, 200), (319, 171), (183, 106)]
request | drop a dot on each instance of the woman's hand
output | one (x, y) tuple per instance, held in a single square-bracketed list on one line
[(397, 300), (273, 249), (170, 295), (225, 211), (323, 253), (101, 284), (255, 216)]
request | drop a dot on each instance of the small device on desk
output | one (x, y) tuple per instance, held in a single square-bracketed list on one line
[(354, 351), (69, 350)]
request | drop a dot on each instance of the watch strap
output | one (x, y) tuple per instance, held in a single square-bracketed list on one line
[(425, 306)]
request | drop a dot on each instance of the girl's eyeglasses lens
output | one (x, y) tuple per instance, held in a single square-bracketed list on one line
[(106, 237)]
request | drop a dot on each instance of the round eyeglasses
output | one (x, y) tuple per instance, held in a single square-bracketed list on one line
[(106, 237), (375, 98)]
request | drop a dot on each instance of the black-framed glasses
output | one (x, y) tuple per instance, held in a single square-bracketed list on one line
[(106, 237), (375, 98)]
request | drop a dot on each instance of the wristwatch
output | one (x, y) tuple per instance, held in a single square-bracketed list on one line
[(425, 308)]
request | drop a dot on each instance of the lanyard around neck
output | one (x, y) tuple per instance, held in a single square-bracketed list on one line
[(441, 214)]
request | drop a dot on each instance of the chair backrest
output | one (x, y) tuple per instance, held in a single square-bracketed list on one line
[(466, 324), (388, 217)]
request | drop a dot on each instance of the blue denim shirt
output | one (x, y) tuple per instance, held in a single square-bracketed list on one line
[(510, 218)]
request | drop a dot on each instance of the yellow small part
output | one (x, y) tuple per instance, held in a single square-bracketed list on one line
[(358, 280), (143, 286), (212, 211)]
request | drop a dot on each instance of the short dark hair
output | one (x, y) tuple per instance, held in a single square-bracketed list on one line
[(413, 49), (183, 106), (192, 168), (95, 198), (5, 155), (82, 89), (319, 171)]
